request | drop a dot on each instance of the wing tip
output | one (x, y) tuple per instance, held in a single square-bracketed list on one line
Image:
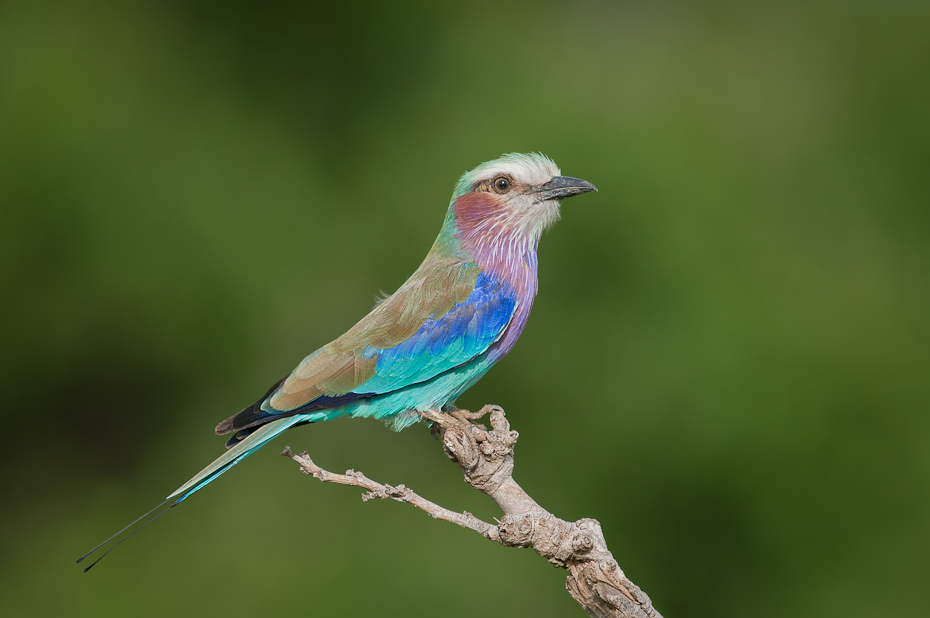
[(226, 426)]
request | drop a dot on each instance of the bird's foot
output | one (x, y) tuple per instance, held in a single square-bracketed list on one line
[(483, 454), (467, 416), (448, 416)]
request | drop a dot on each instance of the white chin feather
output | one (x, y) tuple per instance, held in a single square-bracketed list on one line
[(538, 217)]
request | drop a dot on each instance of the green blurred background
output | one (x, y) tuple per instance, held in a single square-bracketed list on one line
[(727, 364)]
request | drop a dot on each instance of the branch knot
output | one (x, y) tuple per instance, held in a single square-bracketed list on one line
[(485, 457)]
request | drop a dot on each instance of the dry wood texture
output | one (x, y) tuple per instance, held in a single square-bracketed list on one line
[(485, 457)]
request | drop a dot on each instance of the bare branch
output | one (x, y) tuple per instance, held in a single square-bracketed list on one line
[(399, 493), (486, 459)]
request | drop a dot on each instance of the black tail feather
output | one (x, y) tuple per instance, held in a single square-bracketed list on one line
[(129, 536), (250, 416)]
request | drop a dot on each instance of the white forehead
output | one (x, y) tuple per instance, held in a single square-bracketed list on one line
[(533, 168)]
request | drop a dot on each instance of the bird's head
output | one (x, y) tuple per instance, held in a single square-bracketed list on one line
[(517, 194)]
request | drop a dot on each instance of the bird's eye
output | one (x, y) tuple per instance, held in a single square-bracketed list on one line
[(502, 184)]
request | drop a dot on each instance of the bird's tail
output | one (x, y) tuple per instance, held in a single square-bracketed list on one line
[(227, 460), (240, 451)]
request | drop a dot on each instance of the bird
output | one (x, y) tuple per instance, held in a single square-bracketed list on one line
[(420, 348)]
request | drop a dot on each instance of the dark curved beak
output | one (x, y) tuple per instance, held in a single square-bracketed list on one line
[(561, 187)]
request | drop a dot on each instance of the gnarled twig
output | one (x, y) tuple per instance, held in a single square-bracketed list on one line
[(486, 459)]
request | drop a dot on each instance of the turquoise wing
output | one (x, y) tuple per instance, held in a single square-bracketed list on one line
[(439, 320), (443, 342)]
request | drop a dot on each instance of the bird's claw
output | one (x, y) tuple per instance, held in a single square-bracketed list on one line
[(467, 416)]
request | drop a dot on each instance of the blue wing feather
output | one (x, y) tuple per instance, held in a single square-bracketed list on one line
[(443, 342)]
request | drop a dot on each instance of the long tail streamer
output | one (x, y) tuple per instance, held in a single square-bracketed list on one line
[(209, 474)]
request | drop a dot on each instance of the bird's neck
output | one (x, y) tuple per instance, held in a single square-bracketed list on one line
[(485, 235)]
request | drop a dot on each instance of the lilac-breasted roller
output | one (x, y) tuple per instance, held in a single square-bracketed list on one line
[(459, 313)]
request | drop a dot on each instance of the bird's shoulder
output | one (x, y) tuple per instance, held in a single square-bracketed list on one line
[(436, 286)]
